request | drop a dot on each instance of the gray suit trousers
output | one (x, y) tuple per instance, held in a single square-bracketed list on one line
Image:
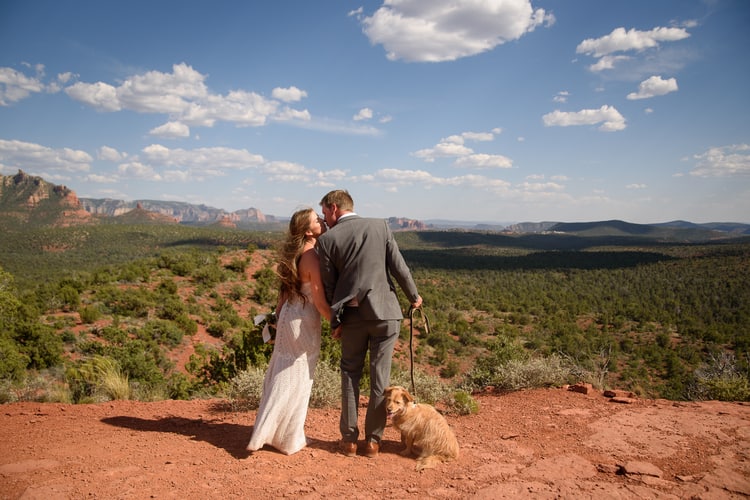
[(358, 336)]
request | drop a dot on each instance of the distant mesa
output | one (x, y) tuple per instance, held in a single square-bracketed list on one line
[(30, 200)]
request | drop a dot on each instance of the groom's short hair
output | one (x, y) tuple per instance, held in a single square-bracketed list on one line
[(339, 197)]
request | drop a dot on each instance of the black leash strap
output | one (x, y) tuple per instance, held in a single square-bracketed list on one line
[(412, 310)]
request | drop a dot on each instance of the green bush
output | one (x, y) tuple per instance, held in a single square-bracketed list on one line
[(89, 314), (462, 403), (246, 389), (326, 388), (721, 379), (162, 331), (97, 379)]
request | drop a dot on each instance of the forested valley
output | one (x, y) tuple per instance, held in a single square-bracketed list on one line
[(90, 313)]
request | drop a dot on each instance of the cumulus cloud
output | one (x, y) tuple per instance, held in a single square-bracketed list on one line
[(561, 97), (484, 161), (171, 130), (636, 186), (138, 170), (723, 161), (622, 40), (291, 94), (454, 147), (611, 120), (654, 86), (15, 86), (445, 30), (107, 153), (185, 98), (363, 114), (36, 158), (219, 158)]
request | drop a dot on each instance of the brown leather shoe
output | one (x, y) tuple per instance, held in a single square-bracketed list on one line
[(371, 449), (348, 448)]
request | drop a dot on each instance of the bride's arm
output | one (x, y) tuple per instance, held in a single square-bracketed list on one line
[(309, 266)]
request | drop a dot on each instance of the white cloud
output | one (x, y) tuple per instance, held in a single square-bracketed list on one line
[(99, 95), (184, 97), (363, 114), (607, 62), (724, 161), (219, 158), (32, 157), (102, 178), (15, 86), (636, 186), (107, 153), (561, 96), (484, 161), (611, 120), (621, 40), (654, 86), (541, 186), (138, 170), (291, 94), (445, 30), (171, 130), (454, 147)]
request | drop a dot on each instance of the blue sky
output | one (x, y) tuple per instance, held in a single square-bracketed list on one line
[(492, 110)]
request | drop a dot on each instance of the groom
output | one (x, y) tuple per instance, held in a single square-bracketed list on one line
[(358, 257)]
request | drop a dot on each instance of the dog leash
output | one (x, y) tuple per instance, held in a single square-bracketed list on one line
[(412, 310)]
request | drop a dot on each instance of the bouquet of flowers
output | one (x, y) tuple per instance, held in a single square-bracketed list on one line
[(268, 321)]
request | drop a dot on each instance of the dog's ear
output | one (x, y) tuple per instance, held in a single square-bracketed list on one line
[(408, 398)]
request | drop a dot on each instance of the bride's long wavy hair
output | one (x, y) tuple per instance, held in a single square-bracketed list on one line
[(290, 253)]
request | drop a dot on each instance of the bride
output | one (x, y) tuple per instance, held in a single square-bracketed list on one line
[(288, 381)]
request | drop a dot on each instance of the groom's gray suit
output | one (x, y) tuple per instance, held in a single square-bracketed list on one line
[(358, 259)]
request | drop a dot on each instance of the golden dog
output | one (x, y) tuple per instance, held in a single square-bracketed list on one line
[(424, 431)]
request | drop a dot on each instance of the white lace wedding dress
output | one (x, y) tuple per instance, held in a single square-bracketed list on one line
[(280, 420)]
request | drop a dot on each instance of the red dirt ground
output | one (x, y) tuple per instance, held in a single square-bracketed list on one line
[(548, 443)]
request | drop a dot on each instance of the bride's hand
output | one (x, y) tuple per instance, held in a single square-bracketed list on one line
[(336, 333)]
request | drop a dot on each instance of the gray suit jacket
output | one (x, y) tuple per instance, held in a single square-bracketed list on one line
[(358, 259)]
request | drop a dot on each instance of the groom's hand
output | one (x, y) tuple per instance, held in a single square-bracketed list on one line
[(417, 302)]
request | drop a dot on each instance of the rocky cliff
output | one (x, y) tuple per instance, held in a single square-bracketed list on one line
[(26, 198), (179, 211)]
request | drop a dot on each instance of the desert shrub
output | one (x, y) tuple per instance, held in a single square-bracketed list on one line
[(89, 314), (266, 283), (237, 292), (186, 324), (218, 328), (180, 263), (112, 334), (450, 370), (517, 374), (13, 361), (69, 298), (720, 379), (462, 403), (326, 389), (41, 387), (237, 265), (162, 331), (170, 308), (500, 351), (97, 379), (246, 388), (167, 287), (40, 344), (208, 275)]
